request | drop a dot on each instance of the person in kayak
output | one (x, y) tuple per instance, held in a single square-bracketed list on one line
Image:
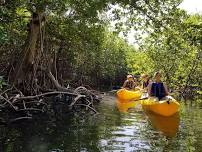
[(157, 89), (129, 83), (146, 81)]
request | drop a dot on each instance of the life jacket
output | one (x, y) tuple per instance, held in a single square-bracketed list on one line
[(145, 84), (158, 90), (129, 84)]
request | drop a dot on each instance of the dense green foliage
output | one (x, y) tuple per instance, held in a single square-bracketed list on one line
[(176, 51), (86, 50)]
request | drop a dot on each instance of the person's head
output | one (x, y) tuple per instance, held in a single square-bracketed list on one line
[(145, 77), (129, 77), (157, 76)]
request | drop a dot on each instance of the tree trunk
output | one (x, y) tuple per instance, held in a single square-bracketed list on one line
[(26, 67)]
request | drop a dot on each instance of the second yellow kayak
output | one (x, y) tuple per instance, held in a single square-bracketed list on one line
[(126, 95), (163, 107)]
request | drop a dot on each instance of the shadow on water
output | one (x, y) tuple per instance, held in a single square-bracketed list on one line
[(111, 130)]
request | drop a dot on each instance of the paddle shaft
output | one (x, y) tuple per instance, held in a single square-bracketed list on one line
[(139, 99)]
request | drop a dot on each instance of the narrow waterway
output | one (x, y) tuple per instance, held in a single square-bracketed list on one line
[(112, 129)]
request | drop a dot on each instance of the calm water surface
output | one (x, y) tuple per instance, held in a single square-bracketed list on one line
[(111, 130)]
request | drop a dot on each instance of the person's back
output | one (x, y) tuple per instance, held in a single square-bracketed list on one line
[(158, 90)]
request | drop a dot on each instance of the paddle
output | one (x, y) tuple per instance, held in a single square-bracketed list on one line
[(144, 96), (118, 88), (138, 99), (168, 99)]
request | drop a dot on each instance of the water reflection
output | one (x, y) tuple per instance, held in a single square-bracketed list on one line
[(167, 125), (124, 106), (111, 130)]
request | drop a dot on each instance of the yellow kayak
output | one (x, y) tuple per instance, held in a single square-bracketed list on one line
[(167, 125), (125, 95), (161, 107)]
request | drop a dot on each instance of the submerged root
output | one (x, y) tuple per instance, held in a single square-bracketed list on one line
[(14, 106)]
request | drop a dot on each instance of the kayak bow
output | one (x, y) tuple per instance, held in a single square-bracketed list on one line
[(126, 95), (162, 107)]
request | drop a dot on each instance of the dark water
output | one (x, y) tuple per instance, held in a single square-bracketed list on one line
[(111, 130)]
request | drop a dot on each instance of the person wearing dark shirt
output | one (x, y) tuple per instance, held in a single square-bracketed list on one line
[(157, 88)]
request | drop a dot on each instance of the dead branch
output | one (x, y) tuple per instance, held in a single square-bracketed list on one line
[(55, 82), (76, 99), (8, 102), (30, 109), (33, 104), (6, 91), (20, 118), (80, 104), (44, 94)]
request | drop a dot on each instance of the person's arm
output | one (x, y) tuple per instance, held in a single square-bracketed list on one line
[(134, 85), (146, 88), (142, 85), (143, 89), (149, 89), (124, 84), (166, 89), (138, 83)]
